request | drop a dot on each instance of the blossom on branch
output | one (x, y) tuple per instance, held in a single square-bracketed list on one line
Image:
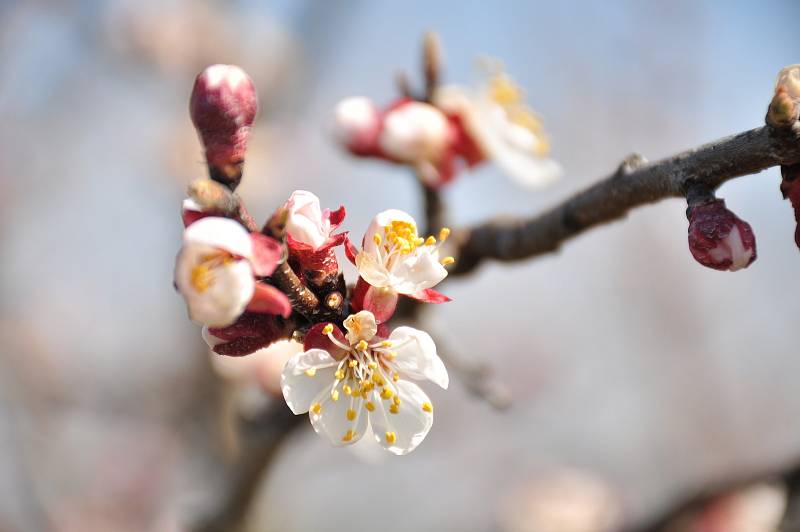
[(395, 261), (362, 383), (790, 188), (498, 122), (216, 267), (309, 232), (718, 238)]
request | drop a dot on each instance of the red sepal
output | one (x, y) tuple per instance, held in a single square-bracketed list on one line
[(350, 250), (247, 334), (269, 300), (316, 340), (429, 295), (381, 302), (266, 253)]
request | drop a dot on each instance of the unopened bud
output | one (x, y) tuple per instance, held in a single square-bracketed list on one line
[(784, 108), (718, 238), (212, 196), (223, 106)]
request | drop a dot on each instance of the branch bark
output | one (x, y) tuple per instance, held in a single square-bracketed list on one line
[(635, 183)]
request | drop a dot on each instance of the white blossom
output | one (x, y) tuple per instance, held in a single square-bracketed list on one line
[(213, 270), (366, 389)]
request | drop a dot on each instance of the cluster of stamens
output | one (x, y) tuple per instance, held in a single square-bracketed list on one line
[(504, 92), (400, 238), (202, 274), (365, 368)]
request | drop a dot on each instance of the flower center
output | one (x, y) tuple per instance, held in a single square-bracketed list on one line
[(401, 238), (504, 92), (203, 273)]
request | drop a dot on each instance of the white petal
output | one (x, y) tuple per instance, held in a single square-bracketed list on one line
[(740, 256), (381, 220), (354, 117), (300, 389), (372, 270), (305, 222), (417, 357), (409, 425), (414, 132), (417, 271), (221, 233), (333, 421), (227, 295)]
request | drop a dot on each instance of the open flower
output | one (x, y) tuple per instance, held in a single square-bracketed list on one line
[(309, 232), (395, 260), (363, 385), (502, 127), (215, 269), (718, 238)]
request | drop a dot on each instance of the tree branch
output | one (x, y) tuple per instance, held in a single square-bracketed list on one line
[(634, 183)]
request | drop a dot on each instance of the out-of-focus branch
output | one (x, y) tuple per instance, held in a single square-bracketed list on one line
[(634, 183), (261, 440), (674, 518)]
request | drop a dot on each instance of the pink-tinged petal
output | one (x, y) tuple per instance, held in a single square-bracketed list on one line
[(429, 295), (190, 217), (266, 253), (380, 301), (221, 233), (316, 340), (350, 250), (357, 125), (269, 300)]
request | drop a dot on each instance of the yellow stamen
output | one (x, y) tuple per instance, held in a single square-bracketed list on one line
[(386, 343), (348, 435), (447, 261), (311, 372), (339, 375), (396, 400), (427, 407), (394, 409), (391, 437), (369, 405), (351, 414), (377, 379), (347, 390), (391, 355), (372, 364), (377, 239), (396, 377), (352, 364), (444, 233), (335, 395), (387, 393), (327, 329), (316, 408), (430, 241), (362, 345)]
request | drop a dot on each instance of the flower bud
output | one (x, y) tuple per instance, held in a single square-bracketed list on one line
[(718, 238), (784, 109), (223, 106), (790, 188)]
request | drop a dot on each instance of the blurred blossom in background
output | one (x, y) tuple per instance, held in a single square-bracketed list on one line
[(637, 376)]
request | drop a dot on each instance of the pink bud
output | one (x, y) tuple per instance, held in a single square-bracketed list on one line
[(718, 238), (790, 187), (223, 106)]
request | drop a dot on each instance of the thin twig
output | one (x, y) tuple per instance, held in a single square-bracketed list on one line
[(635, 183)]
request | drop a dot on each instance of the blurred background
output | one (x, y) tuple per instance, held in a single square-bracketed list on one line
[(637, 376)]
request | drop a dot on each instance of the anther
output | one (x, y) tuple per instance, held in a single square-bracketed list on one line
[(444, 233), (311, 372), (427, 407), (351, 414), (447, 261), (391, 437), (328, 329), (316, 408)]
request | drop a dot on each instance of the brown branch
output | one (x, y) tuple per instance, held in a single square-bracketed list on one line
[(635, 183)]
